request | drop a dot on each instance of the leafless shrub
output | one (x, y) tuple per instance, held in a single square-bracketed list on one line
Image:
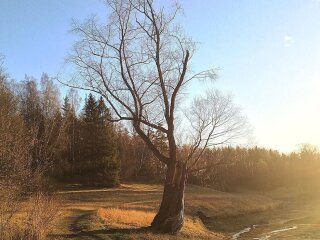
[(20, 183), (43, 212), (14, 161), (37, 222)]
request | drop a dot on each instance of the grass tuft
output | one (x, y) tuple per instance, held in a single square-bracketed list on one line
[(115, 217), (123, 219)]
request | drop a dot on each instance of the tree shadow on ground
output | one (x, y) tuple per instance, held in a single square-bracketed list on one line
[(101, 234)]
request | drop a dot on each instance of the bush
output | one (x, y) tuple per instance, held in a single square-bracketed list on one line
[(37, 221)]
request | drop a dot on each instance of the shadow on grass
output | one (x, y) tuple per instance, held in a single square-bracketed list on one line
[(102, 234)]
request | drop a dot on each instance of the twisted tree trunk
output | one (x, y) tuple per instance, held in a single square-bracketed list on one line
[(170, 216)]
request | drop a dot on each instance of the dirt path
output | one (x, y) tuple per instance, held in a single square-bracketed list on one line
[(79, 205)]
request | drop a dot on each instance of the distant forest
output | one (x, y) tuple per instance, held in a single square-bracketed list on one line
[(47, 139)]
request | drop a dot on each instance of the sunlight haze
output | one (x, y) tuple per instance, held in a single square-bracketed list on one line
[(267, 51), (159, 119)]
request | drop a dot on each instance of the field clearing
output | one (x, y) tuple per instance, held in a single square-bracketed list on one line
[(83, 210)]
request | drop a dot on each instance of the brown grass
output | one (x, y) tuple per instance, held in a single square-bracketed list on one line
[(147, 198), (123, 218), (139, 202), (115, 217), (34, 220)]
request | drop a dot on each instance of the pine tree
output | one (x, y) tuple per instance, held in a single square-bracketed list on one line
[(108, 167), (99, 157), (66, 107), (90, 109)]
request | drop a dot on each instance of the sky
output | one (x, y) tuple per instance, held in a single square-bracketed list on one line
[(267, 52)]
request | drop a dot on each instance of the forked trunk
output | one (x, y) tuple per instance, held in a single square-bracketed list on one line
[(170, 216)]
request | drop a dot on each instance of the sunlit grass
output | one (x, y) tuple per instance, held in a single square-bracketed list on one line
[(134, 205), (147, 198), (123, 218)]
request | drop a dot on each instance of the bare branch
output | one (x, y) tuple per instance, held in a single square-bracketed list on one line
[(139, 62)]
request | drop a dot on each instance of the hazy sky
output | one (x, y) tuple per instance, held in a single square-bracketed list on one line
[(268, 52)]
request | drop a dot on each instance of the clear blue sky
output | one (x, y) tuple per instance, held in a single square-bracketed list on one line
[(268, 52)]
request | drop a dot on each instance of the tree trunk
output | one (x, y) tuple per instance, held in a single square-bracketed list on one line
[(170, 216)]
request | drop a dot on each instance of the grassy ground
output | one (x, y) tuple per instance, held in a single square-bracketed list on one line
[(125, 212)]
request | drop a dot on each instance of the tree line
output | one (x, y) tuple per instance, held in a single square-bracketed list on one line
[(47, 140), (230, 168), (234, 168), (64, 145), (72, 144)]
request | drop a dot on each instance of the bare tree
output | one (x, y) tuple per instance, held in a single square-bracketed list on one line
[(212, 120), (139, 62)]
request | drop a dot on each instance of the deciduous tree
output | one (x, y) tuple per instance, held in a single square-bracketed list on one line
[(139, 61)]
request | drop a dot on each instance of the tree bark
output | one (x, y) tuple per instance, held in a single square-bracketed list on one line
[(170, 217)]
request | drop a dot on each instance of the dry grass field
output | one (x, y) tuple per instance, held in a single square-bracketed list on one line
[(126, 212)]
